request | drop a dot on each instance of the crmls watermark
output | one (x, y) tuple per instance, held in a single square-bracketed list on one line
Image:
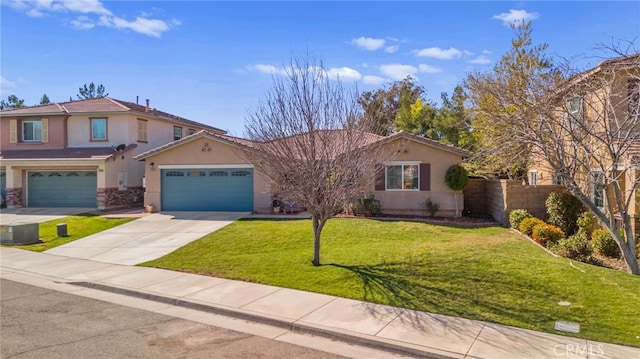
[(593, 351)]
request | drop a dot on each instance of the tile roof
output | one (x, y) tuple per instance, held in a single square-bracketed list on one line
[(84, 153), (234, 141), (103, 105), (294, 148)]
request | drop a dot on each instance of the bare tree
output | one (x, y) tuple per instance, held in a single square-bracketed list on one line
[(598, 158), (586, 128), (313, 143)]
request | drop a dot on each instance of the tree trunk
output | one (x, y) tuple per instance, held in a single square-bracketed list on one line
[(455, 198), (318, 224), (628, 248)]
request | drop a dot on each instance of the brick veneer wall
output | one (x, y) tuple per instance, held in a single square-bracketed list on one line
[(112, 197), (13, 197)]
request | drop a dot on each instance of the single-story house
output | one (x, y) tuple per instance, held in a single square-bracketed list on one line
[(207, 171)]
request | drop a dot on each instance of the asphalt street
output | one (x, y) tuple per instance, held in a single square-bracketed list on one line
[(43, 323)]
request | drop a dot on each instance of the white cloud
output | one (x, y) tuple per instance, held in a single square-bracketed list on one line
[(82, 23), (344, 73), (480, 60), (4, 83), (487, 52), (398, 71), (373, 80), (368, 43), (265, 69), (93, 13), (514, 16), (151, 27), (438, 53), (391, 49), (428, 69)]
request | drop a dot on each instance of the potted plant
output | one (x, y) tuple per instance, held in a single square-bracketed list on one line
[(276, 204)]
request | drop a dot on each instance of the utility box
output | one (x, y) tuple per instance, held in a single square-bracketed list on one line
[(19, 233)]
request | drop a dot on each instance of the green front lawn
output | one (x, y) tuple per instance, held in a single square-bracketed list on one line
[(78, 226), (489, 274)]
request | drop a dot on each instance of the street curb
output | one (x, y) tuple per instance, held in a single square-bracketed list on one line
[(294, 326)]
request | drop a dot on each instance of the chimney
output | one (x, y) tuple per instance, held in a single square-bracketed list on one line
[(147, 108), (137, 98)]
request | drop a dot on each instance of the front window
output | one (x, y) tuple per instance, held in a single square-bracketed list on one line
[(191, 131), (98, 129), (403, 177), (598, 189), (177, 133), (533, 178), (32, 131)]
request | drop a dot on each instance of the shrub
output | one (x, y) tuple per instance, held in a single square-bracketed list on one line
[(527, 224), (432, 207), (367, 206), (585, 223), (604, 244), (547, 234), (575, 247), (517, 215), (563, 210), (456, 178)]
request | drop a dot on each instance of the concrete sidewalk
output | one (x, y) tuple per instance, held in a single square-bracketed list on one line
[(382, 327)]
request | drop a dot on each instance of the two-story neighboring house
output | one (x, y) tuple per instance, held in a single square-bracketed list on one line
[(80, 153), (598, 111)]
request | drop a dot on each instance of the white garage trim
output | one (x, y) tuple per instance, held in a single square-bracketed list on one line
[(189, 167)]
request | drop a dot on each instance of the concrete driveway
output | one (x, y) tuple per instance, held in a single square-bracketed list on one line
[(37, 215), (147, 238)]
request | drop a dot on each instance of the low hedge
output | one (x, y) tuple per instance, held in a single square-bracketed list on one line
[(527, 224), (546, 234), (517, 215), (604, 244)]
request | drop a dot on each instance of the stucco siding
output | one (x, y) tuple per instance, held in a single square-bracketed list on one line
[(202, 152), (413, 201)]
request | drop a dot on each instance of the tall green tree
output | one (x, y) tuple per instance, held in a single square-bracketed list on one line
[(91, 91), (501, 93), (44, 100), (384, 104), (12, 102), (452, 123), (416, 117)]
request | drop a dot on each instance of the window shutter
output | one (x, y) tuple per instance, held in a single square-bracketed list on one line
[(44, 123), (425, 177), (379, 178), (13, 131)]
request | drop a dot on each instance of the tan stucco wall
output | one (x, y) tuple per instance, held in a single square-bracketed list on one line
[(192, 153), (414, 201), (57, 134)]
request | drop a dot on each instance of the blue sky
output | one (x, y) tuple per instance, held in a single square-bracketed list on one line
[(211, 61)]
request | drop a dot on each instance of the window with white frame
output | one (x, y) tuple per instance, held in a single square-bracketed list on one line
[(403, 177), (31, 131), (98, 129), (598, 185), (533, 178), (177, 133), (574, 108)]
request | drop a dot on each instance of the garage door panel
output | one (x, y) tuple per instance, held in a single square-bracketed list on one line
[(61, 189), (207, 190)]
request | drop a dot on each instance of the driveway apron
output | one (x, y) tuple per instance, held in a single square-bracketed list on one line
[(147, 238)]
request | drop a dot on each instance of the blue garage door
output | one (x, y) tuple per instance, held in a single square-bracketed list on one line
[(62, 189), (3, 183), (226, 189)]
